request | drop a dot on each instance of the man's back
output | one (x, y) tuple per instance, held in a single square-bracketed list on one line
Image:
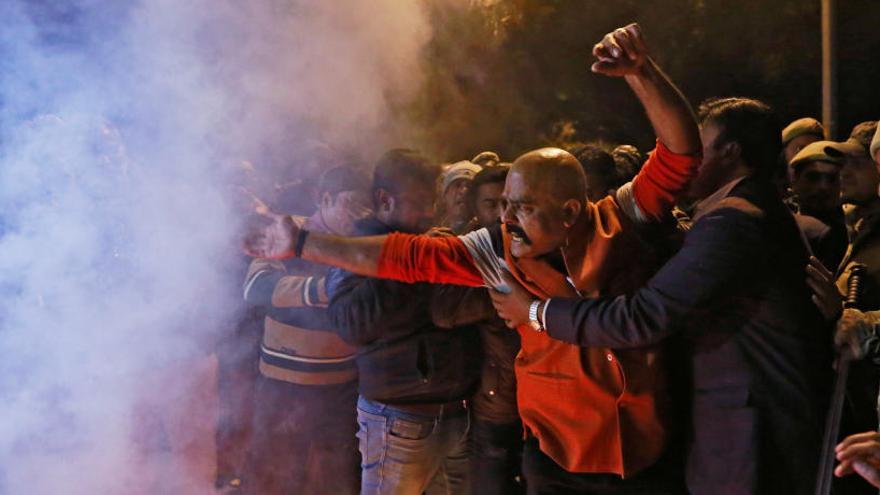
[(402, 356), (761, 358)]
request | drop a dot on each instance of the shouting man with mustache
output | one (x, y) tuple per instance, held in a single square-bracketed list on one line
[(597, 420)]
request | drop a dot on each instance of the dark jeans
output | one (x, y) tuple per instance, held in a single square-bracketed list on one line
[(545, 477), (304, 440), (497, 458)]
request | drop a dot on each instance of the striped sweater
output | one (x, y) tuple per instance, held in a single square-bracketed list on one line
[(299, 343)]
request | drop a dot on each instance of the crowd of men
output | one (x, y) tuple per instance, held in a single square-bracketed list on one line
[(581, 321)]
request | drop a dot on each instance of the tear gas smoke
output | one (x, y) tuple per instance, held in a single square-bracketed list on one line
[(125, 130)]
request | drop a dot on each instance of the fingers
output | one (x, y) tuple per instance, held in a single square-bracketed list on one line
[(604, 67), (851, 327), (254, 246), (866, 452), (868, 436), (620, 52), (498, 301), (845, 468), (818, 287), (860, 453), (440, 232), (601, 52), (258, 204), (624, 41), (819, 267), (638, 40), (612, 47)]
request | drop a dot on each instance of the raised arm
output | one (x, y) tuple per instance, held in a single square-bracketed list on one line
[(674, 162), (623, 52)]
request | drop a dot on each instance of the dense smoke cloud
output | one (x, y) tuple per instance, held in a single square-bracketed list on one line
[(123, 127)]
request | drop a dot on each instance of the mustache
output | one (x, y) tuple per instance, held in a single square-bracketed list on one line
[(515, 229)]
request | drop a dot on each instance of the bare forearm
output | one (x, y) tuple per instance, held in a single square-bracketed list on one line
[(669, 112), (358, 255)]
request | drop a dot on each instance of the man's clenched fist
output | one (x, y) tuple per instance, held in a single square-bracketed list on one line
[(621, 52)]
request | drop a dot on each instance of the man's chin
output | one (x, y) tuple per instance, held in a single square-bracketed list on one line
[(520, 249)]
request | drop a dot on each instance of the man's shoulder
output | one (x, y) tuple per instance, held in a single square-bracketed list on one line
[(737, 204), (749, 199), (486, 238)]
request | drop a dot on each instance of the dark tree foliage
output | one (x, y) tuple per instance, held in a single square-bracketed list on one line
[(511, 75)]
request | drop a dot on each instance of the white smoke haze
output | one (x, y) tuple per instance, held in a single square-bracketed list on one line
[(122, 127)]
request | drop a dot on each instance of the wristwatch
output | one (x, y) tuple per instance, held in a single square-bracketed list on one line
[(534, 322)]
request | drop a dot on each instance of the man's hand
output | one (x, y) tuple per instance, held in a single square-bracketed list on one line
[(860, 453), (826, 296), (621, 52), (512, 307), (853, 328), (440, 232), (273, 238)]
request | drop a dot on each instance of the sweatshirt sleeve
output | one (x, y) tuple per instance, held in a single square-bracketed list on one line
[(662, 180), (417, 258)]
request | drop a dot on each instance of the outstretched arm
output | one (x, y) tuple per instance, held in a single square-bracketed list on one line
[(717, 257), (403, 257), (718, 254), (279, 237)]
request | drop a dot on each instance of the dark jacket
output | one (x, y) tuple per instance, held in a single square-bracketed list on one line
[(456, 306), (827, 241), (402, 357), (759, 350)]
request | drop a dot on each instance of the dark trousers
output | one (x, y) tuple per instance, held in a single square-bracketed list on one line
[(237, 375), (545, 477), (304, 440), (496, 458)]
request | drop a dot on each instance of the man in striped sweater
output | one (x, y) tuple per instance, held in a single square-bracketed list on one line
[(304, 419)]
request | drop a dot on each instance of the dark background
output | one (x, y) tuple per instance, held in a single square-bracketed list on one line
[(512, 75)]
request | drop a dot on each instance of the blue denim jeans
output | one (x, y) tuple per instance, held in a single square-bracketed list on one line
[(409, 454)]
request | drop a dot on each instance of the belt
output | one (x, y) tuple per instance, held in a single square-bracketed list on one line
[(451, 408)]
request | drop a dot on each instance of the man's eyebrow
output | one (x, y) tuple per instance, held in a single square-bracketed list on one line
[(522, 200)]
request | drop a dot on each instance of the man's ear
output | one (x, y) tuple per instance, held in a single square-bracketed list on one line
[(731, 150), (571, 211), (384, 200), (326, 200)]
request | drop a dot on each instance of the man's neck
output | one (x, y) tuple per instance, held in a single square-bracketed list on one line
[(556, 260)]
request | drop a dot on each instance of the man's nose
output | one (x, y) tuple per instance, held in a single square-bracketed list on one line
[(507, 215)]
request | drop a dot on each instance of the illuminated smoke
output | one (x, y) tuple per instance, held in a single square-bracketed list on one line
[(122, 127)]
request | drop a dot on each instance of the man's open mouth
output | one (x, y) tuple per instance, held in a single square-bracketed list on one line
[(518, 235)]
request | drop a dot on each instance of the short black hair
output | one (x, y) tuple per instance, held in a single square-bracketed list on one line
[(750, 123), (397, 165), (628, 160), (489, 175), (340, 179), (597, 162)]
